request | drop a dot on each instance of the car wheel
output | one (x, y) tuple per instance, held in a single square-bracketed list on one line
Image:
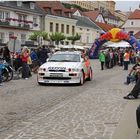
[(90, 75), (82, 78)]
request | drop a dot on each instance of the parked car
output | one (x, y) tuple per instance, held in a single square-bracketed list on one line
[(65, 67)]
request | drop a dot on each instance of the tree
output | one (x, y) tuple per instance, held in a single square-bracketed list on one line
[(37, 34), (57, 37), (74, 38)]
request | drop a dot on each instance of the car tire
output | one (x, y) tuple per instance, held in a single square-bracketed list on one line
[(82, 78), (90, 75)]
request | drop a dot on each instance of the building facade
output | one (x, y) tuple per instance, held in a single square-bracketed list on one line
[(88, 30), (60, 24), (92, 5), (19, 19), (133, 22), (58, 19)]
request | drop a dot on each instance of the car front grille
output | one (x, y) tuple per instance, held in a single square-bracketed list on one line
[(57, 70), (57, 78)]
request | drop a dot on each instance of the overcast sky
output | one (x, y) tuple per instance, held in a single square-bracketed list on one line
[(126, 5)]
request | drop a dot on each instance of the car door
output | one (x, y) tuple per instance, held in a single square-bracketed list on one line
[(85, 65)]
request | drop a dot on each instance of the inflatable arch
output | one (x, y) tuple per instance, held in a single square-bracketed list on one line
[(114, 35)]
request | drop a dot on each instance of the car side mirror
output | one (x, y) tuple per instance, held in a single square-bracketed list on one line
[(47, 59)]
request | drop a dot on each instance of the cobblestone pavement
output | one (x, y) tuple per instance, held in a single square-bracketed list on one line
[(95, 113)]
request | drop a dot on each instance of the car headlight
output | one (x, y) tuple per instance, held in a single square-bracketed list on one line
[(42, 69)]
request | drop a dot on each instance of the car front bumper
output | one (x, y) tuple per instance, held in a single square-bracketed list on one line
[(58, 78)]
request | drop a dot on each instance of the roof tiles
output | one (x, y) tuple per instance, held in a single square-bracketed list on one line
[(104, 26), (135, 15), (92, 14)]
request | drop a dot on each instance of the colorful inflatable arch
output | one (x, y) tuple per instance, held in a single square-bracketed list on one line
[(114, 35)]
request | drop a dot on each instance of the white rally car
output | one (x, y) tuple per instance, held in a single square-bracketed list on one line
[(65, 68)]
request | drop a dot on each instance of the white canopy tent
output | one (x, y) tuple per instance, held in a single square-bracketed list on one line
[(121, 44)]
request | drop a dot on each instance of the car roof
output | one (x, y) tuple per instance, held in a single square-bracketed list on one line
[(68, 52)]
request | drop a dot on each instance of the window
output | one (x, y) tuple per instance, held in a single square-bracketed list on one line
[(7, 14), (32, 5), (51, 27), (62, 28), (23, 38), (67, 29), (87, 29), (24, 17), (1, 37), (1, 15), (132, 23), (80, 28), (19, 3), (57, 27), (35, 20), (73, 30)]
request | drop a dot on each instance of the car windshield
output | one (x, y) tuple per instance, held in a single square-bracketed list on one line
[(65, 58)]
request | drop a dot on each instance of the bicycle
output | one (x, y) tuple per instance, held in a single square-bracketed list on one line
[(6, 70)]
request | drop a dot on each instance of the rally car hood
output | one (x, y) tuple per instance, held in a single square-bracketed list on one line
[(65, 65)]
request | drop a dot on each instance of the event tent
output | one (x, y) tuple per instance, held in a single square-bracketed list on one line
[(121, 44)]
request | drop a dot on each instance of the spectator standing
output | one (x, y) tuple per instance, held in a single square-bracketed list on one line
[(25, 66), (35, 62), (43, 55), (121, 58), (126, 59), (102, 59), (107, 60), (111, 58)]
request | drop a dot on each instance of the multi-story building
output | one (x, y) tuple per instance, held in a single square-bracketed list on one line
[(111, 19), (92, 5), (122, 15), (19, 18), (58, 19), (111, 6), (89, 5), (88, 30), (98, 19), (133, 22)]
